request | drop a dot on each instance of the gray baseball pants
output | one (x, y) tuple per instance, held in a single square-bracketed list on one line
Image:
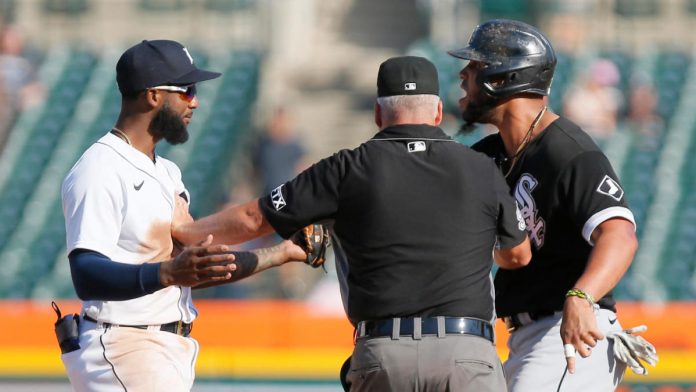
[(462, 363), (537, 362)]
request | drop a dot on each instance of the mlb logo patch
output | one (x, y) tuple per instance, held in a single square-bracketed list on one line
[(416, 146), (610, 188), (277, 198), (409, 86)]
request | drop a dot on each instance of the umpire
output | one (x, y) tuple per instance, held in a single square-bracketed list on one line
[(416, 220)]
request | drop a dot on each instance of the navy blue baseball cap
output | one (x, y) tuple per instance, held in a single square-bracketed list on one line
[(156, 63), (407, 75)]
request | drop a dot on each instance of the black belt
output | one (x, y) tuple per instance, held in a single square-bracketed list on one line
[(433, 326), (176, 327), (521, 319)]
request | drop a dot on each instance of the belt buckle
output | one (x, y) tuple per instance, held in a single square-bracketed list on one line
[(179, 328)]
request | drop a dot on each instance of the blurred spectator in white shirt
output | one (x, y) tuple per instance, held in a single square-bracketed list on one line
[(19, 87), (594, 101)]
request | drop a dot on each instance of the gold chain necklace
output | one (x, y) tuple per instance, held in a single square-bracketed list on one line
[(526, 140), (121, 135)]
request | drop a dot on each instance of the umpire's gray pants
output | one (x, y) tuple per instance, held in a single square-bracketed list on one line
[(450, 363)]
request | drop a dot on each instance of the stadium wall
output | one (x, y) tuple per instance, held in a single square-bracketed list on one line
[(283, 340)]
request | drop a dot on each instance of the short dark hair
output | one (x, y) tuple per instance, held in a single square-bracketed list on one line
[(131, 96)]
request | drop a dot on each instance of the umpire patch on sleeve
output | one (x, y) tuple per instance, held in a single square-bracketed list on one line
[(610, 188), (277, 198)]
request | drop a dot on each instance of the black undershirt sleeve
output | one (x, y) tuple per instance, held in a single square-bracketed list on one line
[(97, 277), (246, 263)]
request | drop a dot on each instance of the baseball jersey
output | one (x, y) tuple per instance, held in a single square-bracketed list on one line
[(565, 187), (118, 202), (416, 217)]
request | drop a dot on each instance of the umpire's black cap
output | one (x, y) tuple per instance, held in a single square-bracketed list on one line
[(156, 63), (407, 75)]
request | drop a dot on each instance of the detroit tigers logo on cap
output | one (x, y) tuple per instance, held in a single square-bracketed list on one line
[(277, 198), (610, 188), (188, 55)]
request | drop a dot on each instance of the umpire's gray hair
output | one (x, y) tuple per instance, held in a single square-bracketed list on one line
[(420, 104)]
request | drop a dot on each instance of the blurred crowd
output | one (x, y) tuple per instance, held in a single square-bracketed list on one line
[(597, 103), (20, 88), (601, 100)]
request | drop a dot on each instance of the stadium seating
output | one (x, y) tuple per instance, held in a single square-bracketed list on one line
[(82, 105), (30, 165)]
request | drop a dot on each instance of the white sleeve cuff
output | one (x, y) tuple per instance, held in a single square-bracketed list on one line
[(601, 216)]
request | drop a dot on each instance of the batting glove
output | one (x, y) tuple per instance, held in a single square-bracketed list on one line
[(631, 349)]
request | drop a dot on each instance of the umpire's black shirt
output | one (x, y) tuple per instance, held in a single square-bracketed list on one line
[(416, 216)]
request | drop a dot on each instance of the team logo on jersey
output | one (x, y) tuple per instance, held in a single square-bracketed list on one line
[(610, 188), (277, 198), (416, 146), (536, 227)]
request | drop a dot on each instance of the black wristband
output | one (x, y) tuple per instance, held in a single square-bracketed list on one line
[(246, 264)]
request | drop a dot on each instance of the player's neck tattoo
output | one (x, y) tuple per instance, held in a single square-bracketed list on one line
[(121, 135), (525, 141)]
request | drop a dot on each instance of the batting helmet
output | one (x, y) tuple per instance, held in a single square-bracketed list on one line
[(520, 59)]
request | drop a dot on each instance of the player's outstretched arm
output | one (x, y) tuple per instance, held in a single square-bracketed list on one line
[(615, 245), (97, 277), (199, 265), (257, 260), (232, 225), (516, 257)]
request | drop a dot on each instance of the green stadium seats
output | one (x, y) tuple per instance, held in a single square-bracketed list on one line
[(228, 5), (162, 5), (66, 7), (632, 8), (510, 9)]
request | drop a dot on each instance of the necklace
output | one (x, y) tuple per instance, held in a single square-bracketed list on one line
[(525, 141), (121, 135)]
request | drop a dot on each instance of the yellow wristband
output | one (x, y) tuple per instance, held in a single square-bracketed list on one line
[(576, 292)]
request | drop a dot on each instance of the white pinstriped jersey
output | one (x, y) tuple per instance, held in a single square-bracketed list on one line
[(118, 202)]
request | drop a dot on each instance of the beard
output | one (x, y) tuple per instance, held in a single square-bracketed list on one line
[(169, 126), (475, 112)]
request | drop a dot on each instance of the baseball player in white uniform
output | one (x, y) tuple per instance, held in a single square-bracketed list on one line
[(118, 201)]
